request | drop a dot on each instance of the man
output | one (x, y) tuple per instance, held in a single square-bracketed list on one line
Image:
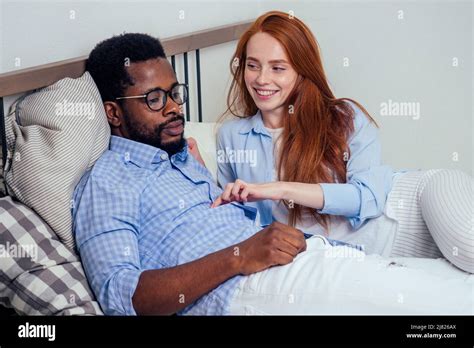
[(151, 243)]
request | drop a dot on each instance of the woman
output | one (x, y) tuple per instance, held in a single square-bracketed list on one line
[(317, 162)]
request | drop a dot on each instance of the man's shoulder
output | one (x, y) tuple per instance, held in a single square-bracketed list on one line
[(111, 171), (107, 169)]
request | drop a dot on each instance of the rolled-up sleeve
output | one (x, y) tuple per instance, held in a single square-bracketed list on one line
[(368, 181), (106, 230)]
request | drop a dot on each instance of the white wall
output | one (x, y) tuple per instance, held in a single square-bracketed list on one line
[(407, 60), (39, 32), (403, 60)]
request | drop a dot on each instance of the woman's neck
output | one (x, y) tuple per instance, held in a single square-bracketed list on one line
[(273, 119)]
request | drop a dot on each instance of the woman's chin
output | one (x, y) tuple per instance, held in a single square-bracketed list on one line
[(268, 107)]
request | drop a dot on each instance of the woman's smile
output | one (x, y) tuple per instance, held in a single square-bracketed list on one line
[(265, 94)]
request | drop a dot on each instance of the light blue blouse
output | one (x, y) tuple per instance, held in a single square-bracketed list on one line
[(245, 151)]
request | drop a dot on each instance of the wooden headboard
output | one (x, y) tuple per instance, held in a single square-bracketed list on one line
[(24, 80)]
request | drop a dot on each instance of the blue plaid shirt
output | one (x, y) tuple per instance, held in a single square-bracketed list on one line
[(138, 210)]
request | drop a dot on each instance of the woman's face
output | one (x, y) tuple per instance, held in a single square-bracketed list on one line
[(269, 77)]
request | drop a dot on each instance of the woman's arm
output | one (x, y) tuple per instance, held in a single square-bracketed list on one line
[(309, 195), (368, 181), (361, 197)]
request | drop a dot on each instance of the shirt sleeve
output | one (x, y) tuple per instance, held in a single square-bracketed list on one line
[(106, 229), (225, 173), (368, 182)]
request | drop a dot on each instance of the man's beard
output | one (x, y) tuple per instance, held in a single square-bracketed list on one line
[(153, 138)]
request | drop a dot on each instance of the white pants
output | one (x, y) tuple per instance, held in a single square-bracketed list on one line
[(342, 280)]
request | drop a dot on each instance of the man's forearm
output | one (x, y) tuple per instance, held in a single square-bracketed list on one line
[(166, 291)]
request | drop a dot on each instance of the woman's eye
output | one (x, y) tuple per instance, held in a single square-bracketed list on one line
[(251, 66), (277, 68)]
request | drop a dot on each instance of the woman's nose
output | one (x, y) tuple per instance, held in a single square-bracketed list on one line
[(262, 77)]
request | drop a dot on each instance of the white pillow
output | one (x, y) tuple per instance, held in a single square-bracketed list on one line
[(205, 134), (54, 136)]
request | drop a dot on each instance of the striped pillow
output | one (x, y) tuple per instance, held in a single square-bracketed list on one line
[(2, 182), (54, 136)]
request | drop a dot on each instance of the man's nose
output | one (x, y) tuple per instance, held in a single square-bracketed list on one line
[(171, 108)]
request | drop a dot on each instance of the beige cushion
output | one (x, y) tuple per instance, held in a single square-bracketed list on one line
[(205, 135), (54, 136)]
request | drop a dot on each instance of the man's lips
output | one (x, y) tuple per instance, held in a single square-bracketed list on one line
[(174, 124), (174, 128)]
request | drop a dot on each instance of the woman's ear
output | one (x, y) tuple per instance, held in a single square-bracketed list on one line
[(114, 113)]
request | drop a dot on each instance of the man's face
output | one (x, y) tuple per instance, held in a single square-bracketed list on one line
[(163, 129)]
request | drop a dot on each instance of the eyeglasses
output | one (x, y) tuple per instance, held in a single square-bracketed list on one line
[(156, 99)]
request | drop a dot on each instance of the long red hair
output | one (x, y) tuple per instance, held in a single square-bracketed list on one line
[(314, 147)]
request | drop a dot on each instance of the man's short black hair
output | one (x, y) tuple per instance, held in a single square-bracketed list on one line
[(107, 61)]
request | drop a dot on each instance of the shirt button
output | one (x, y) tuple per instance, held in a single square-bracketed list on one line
[(164, 156)]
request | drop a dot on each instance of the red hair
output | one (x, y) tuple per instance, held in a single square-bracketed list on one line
[(314, 146)]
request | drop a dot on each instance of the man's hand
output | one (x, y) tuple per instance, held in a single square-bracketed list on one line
[(278, 244), (194, 150), (241, 191), (158, 291)]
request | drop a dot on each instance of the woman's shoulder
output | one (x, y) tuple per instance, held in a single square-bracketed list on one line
[(235, 125), (359, 116)]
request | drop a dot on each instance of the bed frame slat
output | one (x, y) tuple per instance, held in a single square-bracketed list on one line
[(19, 81)]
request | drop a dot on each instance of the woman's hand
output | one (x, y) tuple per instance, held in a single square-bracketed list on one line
[(194, 150), (240, 191)]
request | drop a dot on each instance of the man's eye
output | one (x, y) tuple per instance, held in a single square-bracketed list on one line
[(154, 100)]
